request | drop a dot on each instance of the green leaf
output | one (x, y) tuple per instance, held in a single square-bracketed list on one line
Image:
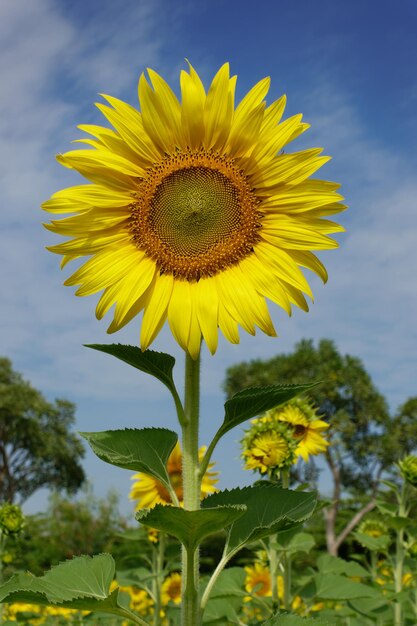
[(269, 509), (366, 606), (141, 450), (158, 364), (373, 543), (294, 620), (329, 564), (387, 507), (222, 611), (230, 582), (190, 527), (82, 583), (301, 542), (399, 522), (390, 484), (336, 587), (256, 400)]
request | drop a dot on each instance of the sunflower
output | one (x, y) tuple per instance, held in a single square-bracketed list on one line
[(258, 580), (307, 429), (148, 491), (266, 452), (171, 589), (194, 214)]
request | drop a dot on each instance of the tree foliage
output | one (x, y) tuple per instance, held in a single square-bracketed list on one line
[(68, 528), (365, 438), (363, 434), (37, 448)]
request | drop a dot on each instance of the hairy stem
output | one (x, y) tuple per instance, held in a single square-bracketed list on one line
[(190, 615)]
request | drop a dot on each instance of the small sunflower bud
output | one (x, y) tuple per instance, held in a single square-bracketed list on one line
[(408, 469), (11, 518)]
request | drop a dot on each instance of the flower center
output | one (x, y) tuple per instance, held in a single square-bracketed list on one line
[(299, 431), (195, 215)]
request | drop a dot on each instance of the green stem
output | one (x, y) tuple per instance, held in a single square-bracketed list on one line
[(207, 456), (190, 615), (399, 558), (286, 558), (273, 572), (158, 566)]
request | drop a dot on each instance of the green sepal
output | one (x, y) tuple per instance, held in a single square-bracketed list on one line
[(269, 509), (141, 450), (294, 620), (190, 527), (81, 583), (158, 364), (256, 400)]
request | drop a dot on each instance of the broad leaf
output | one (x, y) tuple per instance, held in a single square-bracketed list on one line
[(378, 606), (373, 543), (82, 583), (231, 582), (222, 611), (301, 542), (336, 587), (158, 364), (141, 450), (190, 527), (269, 509), (329, 564), (256, 400), (294, 620)]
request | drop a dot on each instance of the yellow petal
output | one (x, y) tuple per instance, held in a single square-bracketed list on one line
[(218, 110), (192, 110), (156, 310), (207, 311), (179, 312)]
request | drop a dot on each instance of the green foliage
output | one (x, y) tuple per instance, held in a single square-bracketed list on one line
[(157, 364), (70, 528), (82, 583), (364, 436), (37, 448), (141, 450), (190, 527), (256, 400), (269, 509), (294, 620)]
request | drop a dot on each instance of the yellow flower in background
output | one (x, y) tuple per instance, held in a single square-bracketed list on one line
[(267, 451), (307, 429), (258, 580), (140, 600), (147, 491), (171, 589), (194, 215), (373, 528)]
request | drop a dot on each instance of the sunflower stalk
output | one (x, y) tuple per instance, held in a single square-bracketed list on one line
[(158, 566), (190, 613)]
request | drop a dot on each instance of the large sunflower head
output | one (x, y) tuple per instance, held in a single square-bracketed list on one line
[(194, 214), (147, 491)]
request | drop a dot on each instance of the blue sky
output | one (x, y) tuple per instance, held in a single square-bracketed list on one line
[(348, 67)]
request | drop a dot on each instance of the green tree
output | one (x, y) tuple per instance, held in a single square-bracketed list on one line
[(365, 438), (70, 527), (37, 448)]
